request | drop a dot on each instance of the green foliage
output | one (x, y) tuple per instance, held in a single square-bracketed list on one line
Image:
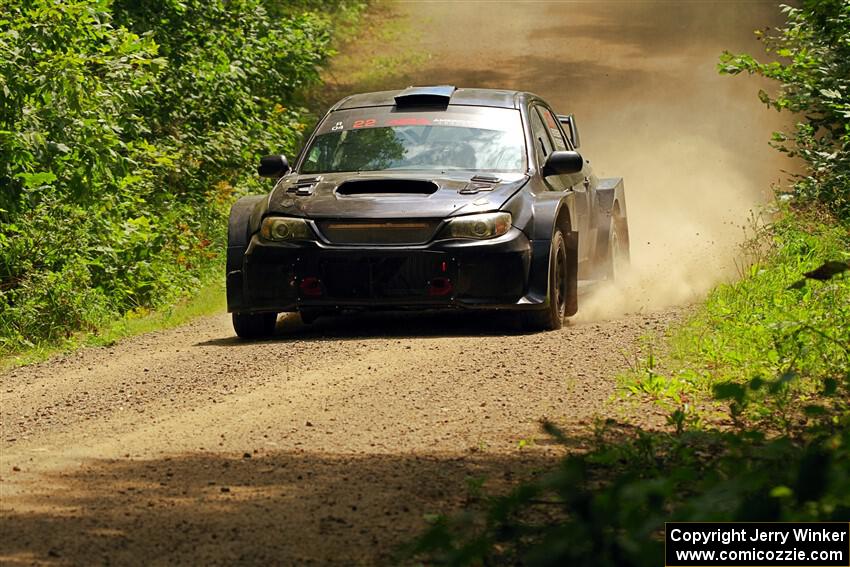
[(126, 129), (757, 381), (813, 68), (787, 341), (768, 326), (774, 354)]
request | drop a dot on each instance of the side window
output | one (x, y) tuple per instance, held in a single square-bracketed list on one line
[(542, 143), (554, 129)]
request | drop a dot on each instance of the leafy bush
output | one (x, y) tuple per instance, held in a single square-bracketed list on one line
[(813, 69), (774, 355), (773, 323), (126, 129), (757, 381), (608, 508)]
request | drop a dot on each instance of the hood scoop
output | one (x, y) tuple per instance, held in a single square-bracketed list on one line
[(387, 187)]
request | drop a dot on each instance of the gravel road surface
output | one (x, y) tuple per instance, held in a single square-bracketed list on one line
[(331, 443), (328, 444)]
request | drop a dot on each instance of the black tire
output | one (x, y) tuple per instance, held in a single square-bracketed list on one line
[(552, 317), (254, 325), (617, 257)]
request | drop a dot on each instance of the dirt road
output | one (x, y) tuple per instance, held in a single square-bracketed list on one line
[(330, 443)]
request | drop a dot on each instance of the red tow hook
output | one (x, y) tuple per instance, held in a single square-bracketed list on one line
[(311, 286), (439, 287)]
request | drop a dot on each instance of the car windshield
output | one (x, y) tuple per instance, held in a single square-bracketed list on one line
[(381, 138)]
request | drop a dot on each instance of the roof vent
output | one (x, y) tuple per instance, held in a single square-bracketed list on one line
[(425, 96)]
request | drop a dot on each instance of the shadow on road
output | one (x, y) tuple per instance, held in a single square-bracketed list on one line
[(283, 508)]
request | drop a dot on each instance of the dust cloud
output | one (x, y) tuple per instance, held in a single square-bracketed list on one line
[(641, 78), (691, 145)]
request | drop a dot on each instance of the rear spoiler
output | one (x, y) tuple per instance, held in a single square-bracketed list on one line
[(569, 122)]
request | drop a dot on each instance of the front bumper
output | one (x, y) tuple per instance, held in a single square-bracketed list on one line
[(450, 273)]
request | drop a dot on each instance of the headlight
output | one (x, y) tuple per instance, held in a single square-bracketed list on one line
[(487, 225), (282, 229)]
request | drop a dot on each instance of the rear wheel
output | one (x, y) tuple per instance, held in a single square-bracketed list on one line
[(254, 325), (552, 317), (617, 261)]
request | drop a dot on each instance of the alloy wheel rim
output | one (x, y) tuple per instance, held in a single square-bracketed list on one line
[(616, 254)]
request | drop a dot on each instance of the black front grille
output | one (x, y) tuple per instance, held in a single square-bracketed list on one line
[(381, 277), (379, 232)]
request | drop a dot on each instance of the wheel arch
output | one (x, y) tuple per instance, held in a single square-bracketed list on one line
[(612, 209), (611, 198), (245, 215), (552, 211), (563, 220)]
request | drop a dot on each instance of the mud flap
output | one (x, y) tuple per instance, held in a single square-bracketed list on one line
[(571, 242)]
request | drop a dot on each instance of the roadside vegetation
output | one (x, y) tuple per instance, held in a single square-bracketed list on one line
[(126, 130), (756, 383)]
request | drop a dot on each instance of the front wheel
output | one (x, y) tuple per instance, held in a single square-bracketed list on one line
[(552, 317), (254, 325)]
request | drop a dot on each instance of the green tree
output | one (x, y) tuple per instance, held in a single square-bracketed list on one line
[(126, 129), (812, 66)]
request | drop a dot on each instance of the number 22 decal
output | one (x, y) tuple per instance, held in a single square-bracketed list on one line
[(364, 123)]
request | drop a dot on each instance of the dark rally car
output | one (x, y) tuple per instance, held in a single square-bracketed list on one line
[(427, 198)]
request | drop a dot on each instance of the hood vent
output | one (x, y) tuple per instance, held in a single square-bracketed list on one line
[(387, 187), (480, 182), (473, 188), (304, 185)]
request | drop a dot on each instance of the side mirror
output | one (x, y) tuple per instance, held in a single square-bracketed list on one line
[(569, 123), (273, 167), (563, 163)]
